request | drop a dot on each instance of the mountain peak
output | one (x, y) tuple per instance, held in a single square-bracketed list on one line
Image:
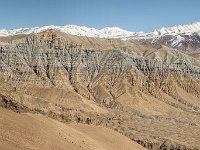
[(108, 32), (189, 28)]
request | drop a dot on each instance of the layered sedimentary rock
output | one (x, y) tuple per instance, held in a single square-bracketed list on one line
[(149, 94)]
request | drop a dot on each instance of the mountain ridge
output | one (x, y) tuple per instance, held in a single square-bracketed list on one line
[(79, 30), (182, 37)]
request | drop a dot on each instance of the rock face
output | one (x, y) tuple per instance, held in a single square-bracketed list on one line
[(149, 94)]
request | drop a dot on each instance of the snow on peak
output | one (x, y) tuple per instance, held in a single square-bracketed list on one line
[(113, 32), (108, 32), (177, 29)]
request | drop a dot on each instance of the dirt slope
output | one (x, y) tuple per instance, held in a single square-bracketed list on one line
[(36, 132)]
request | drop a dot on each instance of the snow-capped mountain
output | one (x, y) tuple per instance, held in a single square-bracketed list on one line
[(191, 28), (109, 32), (186, 37)]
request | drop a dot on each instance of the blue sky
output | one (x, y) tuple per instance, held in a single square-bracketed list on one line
[(133, 15)]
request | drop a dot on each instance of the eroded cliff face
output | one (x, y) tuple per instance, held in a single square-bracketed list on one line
[(149, 94)]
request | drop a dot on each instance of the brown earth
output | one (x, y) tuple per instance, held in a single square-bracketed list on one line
[(36, 132)]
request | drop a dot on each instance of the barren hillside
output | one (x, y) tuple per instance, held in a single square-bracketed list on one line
[(150, 94), (31, 131)]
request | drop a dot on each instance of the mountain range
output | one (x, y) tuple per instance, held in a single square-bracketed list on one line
[(183, 37), (84, 88)]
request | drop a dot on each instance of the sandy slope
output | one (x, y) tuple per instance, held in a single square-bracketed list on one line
[(36, 132)]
